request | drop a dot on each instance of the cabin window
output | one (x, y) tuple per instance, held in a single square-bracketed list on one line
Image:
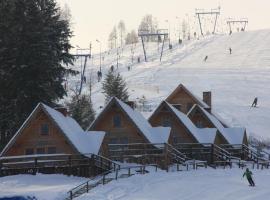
[(44, 129), (40, 150), (199, 124), (116, 121), (113, 141), (166, 122), (29, 151), (51, 150), (189, 106), (123, 140)]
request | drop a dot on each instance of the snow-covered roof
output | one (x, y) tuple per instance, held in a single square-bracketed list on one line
[(152, 134), (235, 135), (84, 142), (232, 135), (204, 135), (197, 99)]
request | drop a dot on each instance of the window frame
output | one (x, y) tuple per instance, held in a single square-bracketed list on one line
[(42, 125), (26, 149), (117, 124)]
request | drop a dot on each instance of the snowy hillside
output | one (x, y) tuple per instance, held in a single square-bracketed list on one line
[(202, 184), (196, 185), (233, 79)]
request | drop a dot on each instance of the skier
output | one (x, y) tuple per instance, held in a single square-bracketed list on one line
[(206, 57), (248, 174), (230, 49), (254, 104), (112, 68)]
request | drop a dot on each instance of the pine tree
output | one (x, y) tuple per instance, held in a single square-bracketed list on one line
[(81, 109), (114, 86), (34, 46)]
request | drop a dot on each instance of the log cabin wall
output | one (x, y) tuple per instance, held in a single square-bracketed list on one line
[(34, 140), (199, 120), (181, 97), (179, 133), (118, 127)]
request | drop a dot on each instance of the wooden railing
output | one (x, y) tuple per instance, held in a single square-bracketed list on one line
[(70, 164), (105, 178), (162, 154)]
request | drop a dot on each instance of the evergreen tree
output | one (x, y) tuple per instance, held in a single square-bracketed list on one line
[(114, 86), (34, 46), (81, 109)]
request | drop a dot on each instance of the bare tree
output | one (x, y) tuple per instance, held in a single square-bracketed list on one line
[(113, 38), (149, 24), (122, 31)]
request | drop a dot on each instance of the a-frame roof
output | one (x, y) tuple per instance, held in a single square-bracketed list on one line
[(82, 141), (205, 135), (194, 97), (151, 134), (233, 135)]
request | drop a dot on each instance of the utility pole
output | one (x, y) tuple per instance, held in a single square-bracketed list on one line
[(99, 54)]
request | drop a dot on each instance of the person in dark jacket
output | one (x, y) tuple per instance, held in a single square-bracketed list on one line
[(230, 49), (248, 175), (255, 102)]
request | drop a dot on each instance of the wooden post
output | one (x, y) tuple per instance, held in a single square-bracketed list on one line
[(35, 167), (116, 174), (71, 195), (69, 165), (212, 153), (87, 187), (103, 180), (1, 169), (128, 171)]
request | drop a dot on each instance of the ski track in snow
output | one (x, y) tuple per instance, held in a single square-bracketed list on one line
[(235, 80)]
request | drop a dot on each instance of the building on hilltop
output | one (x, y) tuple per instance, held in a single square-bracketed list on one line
[(182, 128), (52, 131), (183, 99), (203, 119)]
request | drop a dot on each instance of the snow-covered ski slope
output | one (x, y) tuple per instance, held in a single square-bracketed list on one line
[(235, 80), (204, 184)]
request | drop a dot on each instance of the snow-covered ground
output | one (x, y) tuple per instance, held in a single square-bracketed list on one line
[(190, 185), (233, 79), (202, 184), (43, 187)]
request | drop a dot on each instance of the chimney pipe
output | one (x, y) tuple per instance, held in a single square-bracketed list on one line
[(207, 98)]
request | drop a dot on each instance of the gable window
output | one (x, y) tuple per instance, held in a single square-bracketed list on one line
[(29, 151), (41, 150), (199, 124), (44, 129), (116, 121), (51, 150), (166, 122)]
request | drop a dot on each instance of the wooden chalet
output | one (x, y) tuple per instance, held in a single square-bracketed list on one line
[(183, 99), (50, 131), (126, 127), (182, 128), (203, 119)]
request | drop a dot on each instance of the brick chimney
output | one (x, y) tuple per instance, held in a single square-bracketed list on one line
[(62, 110), (207, 98)]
